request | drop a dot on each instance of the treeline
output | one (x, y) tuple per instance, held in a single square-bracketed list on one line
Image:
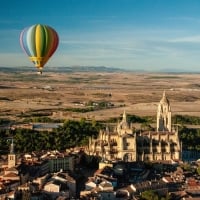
[(133, 119), (176, 119), (92, 106), (186, 120), (190, 138), (71, 134), (76, 133), (42, 119)]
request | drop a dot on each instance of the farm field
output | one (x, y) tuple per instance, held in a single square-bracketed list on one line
[(136, 93)]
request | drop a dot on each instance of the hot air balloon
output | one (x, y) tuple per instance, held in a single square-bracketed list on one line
[(39, 42)]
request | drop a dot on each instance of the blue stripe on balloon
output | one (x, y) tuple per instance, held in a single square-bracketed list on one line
[(23, 42), (30, 40)]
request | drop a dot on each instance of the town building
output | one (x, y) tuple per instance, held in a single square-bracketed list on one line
[(61, 184), (124, 144)]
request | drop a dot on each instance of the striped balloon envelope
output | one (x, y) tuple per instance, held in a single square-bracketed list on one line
[(39, 42)]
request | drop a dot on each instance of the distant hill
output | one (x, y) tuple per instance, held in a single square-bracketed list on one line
[(86, 69), (61, 69), (93, 69)]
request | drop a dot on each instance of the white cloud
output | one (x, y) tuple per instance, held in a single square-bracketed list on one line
[(189, 39)]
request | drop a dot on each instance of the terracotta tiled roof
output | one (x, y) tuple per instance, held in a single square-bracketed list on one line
[(11, 174)]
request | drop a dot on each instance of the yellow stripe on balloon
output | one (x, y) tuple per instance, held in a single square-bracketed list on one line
[(38, 41)]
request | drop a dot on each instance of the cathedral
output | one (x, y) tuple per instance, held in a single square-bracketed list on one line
[(124, 144)]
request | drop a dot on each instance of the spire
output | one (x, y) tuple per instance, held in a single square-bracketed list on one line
[(164, 98), (107, 130), (164, 94), (12, 147), (11, 156), (124, 116), (123, 126)]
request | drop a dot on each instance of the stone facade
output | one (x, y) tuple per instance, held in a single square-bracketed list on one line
[(124, 144)]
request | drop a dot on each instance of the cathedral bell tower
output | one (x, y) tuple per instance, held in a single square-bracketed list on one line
[(164, 115)]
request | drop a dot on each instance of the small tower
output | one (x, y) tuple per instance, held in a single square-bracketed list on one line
[(11, 156), (123, 126), (164, 115)]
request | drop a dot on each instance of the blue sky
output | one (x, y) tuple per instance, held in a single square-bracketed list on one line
[(129, 34)]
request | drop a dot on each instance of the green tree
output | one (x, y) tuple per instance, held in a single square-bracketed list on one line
[(198, 170), (149, 195)]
